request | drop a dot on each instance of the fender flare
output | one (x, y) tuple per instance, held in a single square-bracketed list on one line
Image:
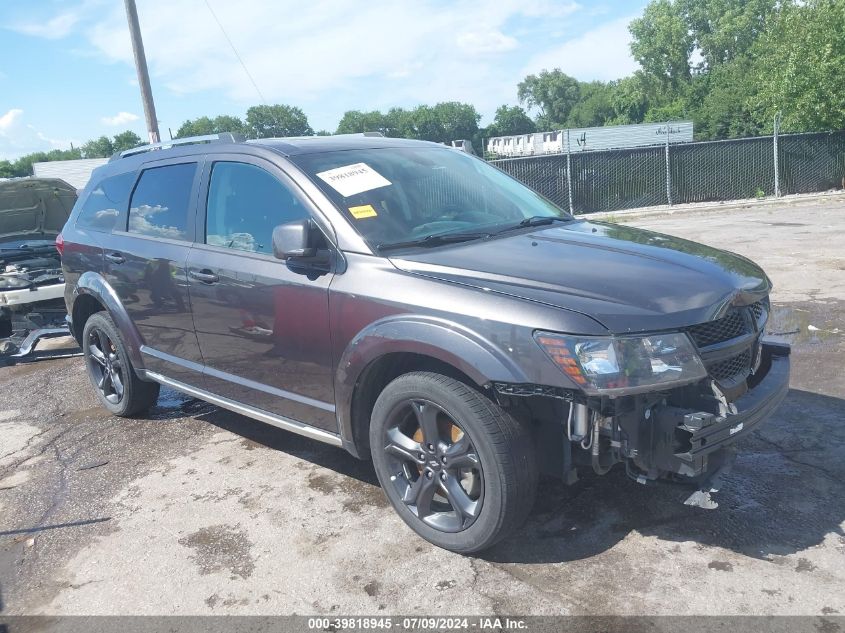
[(93, 284), (443, 340)]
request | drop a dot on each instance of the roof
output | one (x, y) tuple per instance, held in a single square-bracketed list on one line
[(316, 144), (74, 172)]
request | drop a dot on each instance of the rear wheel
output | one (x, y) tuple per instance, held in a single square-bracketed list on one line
[(458, 469), (110, 370)]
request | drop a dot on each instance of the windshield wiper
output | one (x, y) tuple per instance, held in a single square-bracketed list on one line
[(433, 240), (535, 220)]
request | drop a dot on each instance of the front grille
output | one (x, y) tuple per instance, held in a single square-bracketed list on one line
[(731, 368), (738, 322), (724, 329), (759, 308)]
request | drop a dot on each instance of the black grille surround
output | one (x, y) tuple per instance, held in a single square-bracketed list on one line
[(730, 345)]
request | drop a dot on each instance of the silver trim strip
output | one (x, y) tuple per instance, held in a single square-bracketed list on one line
[(245, 382), (257, 414)]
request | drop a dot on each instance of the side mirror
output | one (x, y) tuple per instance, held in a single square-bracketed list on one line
[(293, 240)]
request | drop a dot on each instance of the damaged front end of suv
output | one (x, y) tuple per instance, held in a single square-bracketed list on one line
[(669, 405), (32, 214)]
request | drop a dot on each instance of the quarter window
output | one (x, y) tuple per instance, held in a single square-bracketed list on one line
[(105, 203), (245, 204), (161, 202)]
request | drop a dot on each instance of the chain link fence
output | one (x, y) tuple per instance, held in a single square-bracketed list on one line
[(736, 169)]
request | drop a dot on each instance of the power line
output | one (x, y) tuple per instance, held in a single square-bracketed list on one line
[(235, 51)]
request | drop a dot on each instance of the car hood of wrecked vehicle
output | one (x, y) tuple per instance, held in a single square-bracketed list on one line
[(630, 280)]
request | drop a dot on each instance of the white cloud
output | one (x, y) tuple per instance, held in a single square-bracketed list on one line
[(425, 44), (56, 28), (365, 55), (603, 53), (121, 118), (18, 137), (486, 42), (9, 119)]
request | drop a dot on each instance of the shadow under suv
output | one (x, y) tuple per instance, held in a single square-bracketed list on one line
[(416, 306)]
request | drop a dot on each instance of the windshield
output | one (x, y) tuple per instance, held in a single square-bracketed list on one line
[(399, 195)]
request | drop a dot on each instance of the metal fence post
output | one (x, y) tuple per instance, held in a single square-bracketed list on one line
[(668, 169), (777, 168), (569, 172)]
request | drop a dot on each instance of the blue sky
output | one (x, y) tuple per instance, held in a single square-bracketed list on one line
[(66, 70)]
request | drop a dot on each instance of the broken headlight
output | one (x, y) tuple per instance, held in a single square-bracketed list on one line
[(630, 364)]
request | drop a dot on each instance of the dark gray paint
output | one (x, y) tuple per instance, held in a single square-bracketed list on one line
[(474, 306)]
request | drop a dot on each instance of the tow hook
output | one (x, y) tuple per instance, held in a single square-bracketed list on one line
[(702, 498)]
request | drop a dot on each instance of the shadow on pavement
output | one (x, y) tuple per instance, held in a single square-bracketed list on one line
[(785, 493)]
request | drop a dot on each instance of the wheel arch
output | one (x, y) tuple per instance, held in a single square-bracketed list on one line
[(94, 294), (398, 345)]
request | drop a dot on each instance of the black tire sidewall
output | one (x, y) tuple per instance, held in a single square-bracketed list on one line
[(487, 527), (103, 321)]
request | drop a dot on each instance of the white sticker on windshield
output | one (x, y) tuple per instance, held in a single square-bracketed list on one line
[(353, 179)]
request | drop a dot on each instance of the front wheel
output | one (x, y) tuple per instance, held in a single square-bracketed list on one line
[(458, 469)]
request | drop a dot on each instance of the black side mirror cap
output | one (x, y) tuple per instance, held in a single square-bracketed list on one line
[(294, 240)]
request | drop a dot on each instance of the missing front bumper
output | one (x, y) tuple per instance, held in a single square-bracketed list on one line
[(690, 443)]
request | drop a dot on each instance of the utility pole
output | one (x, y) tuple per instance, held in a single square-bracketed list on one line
[(143, 74)]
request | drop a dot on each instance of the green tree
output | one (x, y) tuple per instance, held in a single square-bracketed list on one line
[(553, 93), (126, 140), (102, 147), (724, 97), (265, 121), (725, 30), (799, 64), (662, 42), (510, 120), (631, 99), (453, 120), (355, 122), (595, 105), (204, 125)]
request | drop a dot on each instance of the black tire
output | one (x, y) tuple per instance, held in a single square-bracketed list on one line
[(497, 485), (110, 370)]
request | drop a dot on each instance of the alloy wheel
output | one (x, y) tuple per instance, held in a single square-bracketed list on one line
[(435, 468), (105, 365)]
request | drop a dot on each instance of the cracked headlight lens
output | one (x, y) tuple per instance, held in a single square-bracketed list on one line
[(622, 365)]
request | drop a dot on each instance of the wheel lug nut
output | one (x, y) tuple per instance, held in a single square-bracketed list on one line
[(428, 474), (443, 476), (431, 447), (422, 455)]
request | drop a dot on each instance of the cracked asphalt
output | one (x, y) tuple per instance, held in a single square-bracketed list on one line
[(195, 510)]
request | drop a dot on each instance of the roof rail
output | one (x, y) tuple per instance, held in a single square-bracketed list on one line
[(223, 137)]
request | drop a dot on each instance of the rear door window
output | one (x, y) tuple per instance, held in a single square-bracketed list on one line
[(106, 203), (161, 202)]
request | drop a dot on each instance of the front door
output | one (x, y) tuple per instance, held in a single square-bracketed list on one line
[(145, 264), (263, 328)]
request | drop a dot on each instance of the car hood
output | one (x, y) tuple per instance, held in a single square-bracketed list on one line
[(33, 209), (628, 279)]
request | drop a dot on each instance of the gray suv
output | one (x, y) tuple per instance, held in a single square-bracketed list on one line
[(418, 307)]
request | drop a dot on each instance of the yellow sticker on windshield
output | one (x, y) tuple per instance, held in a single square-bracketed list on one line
[(364, 211)]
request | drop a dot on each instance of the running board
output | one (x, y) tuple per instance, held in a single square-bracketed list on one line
[(251, 412)]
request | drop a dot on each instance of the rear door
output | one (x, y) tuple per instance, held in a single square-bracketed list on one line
[(262, 326), (145, 264)]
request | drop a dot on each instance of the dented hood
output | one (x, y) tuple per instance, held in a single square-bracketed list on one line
[(628, 279), (33, 209)]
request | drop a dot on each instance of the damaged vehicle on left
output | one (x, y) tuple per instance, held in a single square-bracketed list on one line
[(32, 214)]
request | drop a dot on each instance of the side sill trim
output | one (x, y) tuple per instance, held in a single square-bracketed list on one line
[(251, 412), (245, 382)]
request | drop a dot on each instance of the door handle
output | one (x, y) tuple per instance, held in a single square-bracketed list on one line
[(204, 275), (115, 258)]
